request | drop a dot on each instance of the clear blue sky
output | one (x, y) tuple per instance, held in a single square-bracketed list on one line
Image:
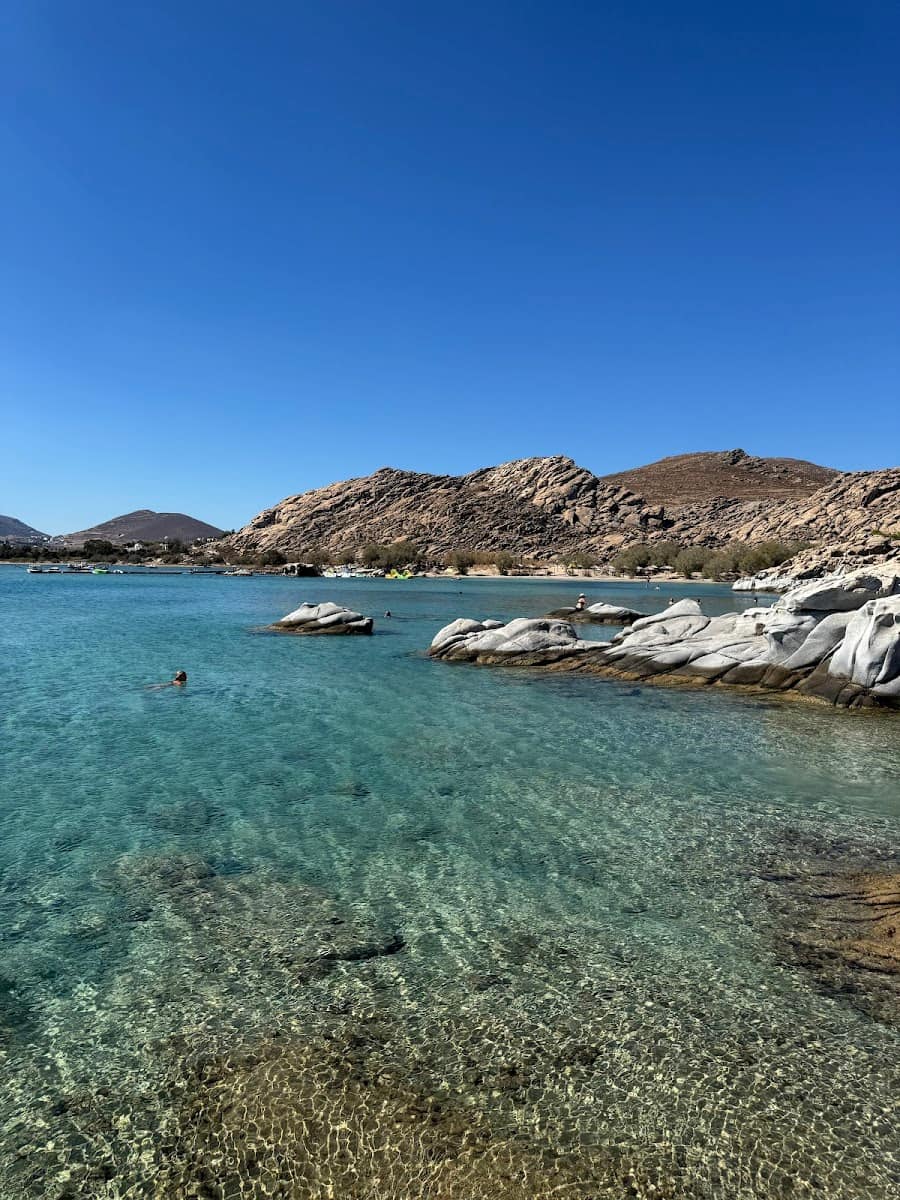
[(248, 249)]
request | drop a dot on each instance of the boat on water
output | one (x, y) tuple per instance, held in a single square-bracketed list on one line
[(395, 574), (352, 572), (99, 570), (242, 571), (35, 570)]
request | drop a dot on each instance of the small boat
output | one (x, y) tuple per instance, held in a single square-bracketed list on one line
[(395, 574), (35, 570), (240, 571), (54, 571), (99, 570)]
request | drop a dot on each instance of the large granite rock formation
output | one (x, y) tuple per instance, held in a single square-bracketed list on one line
[(836, 639), (523, 642), (535, 506), (547, 507), (323, 618), (836, 558)]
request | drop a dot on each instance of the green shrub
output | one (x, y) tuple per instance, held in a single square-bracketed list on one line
[(690, 560), (462, 560), (390, 557), (633, 558)]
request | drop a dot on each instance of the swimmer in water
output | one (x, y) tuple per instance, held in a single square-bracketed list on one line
[(179, 680)]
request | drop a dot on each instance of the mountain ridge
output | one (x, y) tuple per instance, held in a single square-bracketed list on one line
[(543, 507)]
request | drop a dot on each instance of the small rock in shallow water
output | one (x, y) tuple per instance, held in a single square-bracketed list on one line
[(323, 619)]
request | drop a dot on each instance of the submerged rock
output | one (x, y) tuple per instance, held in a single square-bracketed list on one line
[(323, 618), (523, 641), (839, 920)]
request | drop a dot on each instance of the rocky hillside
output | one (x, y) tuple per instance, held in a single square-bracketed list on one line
[(544, 507), (735, 474), (146, 526), (17, 533), (535, 506)]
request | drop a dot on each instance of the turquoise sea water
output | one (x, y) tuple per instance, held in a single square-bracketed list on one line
[(338, 920)]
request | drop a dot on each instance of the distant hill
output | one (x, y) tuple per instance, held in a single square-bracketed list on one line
[(18, 533), (728, 474), (146, 526), (546, 507)]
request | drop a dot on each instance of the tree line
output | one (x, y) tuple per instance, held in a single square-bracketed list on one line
[(737, 558)]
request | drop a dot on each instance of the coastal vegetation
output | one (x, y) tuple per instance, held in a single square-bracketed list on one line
[(725, 562), (391, 557)]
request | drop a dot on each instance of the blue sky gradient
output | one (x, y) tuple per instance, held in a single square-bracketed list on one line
[(250, 249)]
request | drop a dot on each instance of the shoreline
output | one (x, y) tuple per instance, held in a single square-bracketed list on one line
[(655, 582)]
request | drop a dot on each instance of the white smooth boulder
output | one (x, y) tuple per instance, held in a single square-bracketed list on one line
[(536, 638), (614, 614), (870, 651), (847, 654), (843, 593), (324, 618)]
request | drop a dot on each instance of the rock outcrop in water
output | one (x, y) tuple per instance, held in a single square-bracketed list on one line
[(323, 618), (836, 639), (523, 642), (598, 614)]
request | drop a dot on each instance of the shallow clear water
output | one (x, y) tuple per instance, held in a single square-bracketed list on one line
[(339, 920)]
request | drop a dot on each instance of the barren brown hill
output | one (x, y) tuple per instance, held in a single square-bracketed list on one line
[(548, 507), (144, 525), (730, 474), (17, 533), (533, 506)]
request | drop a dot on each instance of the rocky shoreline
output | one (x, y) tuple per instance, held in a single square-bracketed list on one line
[(836, 640)]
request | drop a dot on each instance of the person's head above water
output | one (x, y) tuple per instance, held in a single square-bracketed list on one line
[(180, 677)]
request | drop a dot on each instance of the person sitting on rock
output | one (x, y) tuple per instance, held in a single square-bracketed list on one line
[(581, 603)]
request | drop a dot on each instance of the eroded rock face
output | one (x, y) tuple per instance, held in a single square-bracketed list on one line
[(523, 641), (541, 507), (844, 592), (323, 618), (838, 640)]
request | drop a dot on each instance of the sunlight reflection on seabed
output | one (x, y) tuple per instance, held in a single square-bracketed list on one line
[(499, 937)]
